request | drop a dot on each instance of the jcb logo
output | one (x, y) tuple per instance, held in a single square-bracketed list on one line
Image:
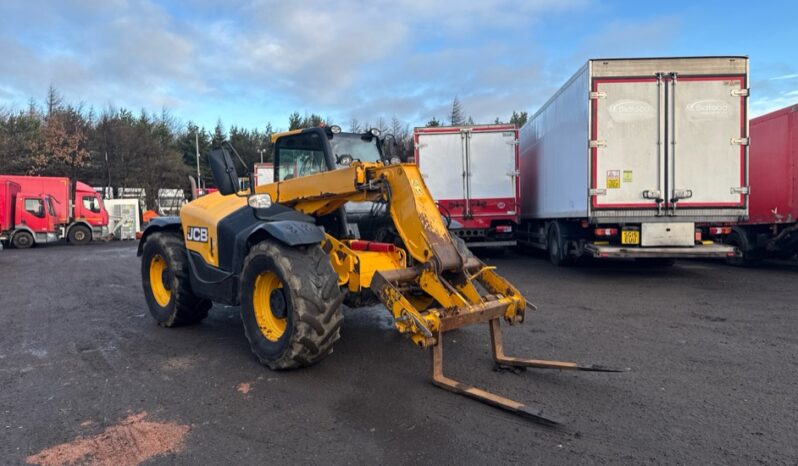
[(198, 234)]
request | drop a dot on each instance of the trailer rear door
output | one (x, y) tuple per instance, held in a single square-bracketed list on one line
[(626, 156), (706, 145), (441, 159), (492, 164)]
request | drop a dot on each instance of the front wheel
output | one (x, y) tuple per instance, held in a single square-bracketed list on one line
[(80, 235), (167, 283), (290, 304)]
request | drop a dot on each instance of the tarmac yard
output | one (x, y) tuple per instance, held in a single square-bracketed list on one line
[(86, 376)]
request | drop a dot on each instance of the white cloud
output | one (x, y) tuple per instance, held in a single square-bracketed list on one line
[(786, 76)]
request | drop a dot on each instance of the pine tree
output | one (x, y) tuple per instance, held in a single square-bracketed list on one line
[(294, 121), (433, 123), (518, 119), (456, 116)]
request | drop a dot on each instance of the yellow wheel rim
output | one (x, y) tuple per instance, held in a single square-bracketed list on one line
[(270, 306), (158, 276)]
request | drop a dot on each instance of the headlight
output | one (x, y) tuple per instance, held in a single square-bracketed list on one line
[(335, 129), (259, 201), (375, 132), (345, 160), (395, 160)]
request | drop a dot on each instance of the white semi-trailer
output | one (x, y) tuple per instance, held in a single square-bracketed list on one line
[(642, 158)]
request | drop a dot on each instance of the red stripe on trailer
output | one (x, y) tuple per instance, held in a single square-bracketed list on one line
[(594, 150)]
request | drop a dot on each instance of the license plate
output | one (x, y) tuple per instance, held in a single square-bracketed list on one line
[(630, 237)]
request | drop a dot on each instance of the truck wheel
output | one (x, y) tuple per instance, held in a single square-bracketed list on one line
[(290, 304), (556, 247), (740, 241), (79, 235), (167, 283), (22, 240)]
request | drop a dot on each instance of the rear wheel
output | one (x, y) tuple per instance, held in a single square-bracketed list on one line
[(80, 235), (22, 240), (167, 283), (740, 241), (290, 304), (556, 247)]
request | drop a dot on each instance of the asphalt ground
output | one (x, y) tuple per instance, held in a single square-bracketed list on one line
[(87, 376)]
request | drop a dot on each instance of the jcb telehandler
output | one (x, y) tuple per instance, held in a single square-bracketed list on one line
[(289, 254)]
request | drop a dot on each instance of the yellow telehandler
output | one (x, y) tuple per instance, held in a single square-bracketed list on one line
[(290, 253)]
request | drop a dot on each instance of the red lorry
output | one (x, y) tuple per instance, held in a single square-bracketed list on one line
[(472, 172), (38, 209), (771, 230)]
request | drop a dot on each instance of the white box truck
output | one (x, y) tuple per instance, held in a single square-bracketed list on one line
[(643, 158), (472, 173)]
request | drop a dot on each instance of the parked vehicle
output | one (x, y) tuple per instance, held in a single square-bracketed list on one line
[(40, 209), (472, 173), (641, 158), (26, 218), (771, 230), (264, 173)]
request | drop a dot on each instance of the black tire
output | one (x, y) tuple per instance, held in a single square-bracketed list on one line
[(22, 240), (183, 306), (309, 301), (462, 248), (556, 248), (80, 235), (740, 241)]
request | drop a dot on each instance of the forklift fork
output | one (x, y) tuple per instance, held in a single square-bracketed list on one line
[(534, 413)]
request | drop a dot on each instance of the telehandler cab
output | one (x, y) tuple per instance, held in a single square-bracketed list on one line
[(288, 255)]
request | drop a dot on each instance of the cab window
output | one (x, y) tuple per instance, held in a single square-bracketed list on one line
[(35, 207), (50, 208), (300, 155), (91, 203)]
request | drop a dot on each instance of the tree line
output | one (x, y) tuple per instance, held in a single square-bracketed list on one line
[(122, 149)]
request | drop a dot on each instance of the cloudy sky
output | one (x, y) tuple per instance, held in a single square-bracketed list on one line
[(250, 62)]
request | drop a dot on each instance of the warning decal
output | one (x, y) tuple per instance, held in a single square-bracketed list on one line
[(627, 176), (613, 179)]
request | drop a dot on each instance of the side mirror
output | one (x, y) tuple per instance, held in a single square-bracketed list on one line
[(224, 172)]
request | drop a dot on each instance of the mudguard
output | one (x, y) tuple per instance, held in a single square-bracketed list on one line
[(158, 224), (289, 232)]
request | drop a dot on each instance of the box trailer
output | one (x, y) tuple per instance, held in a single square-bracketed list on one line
[(472, 173), (78, 210), (771, 230), (643, 158)]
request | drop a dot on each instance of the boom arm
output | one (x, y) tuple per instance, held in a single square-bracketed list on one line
[(443, 273), (448, 288)]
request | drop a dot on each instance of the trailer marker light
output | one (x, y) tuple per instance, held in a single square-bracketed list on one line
[(698, 236), (606, 231)]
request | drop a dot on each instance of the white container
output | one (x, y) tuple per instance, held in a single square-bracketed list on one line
[(646, 140), (123, 218)]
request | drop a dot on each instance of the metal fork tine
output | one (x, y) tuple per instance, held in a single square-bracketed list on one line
[(533, 413), (504, 360)]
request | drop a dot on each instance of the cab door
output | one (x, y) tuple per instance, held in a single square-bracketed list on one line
[(33, 214), (91, 209)]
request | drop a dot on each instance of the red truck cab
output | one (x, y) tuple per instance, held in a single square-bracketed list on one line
[(89, 207), (26, 218)]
